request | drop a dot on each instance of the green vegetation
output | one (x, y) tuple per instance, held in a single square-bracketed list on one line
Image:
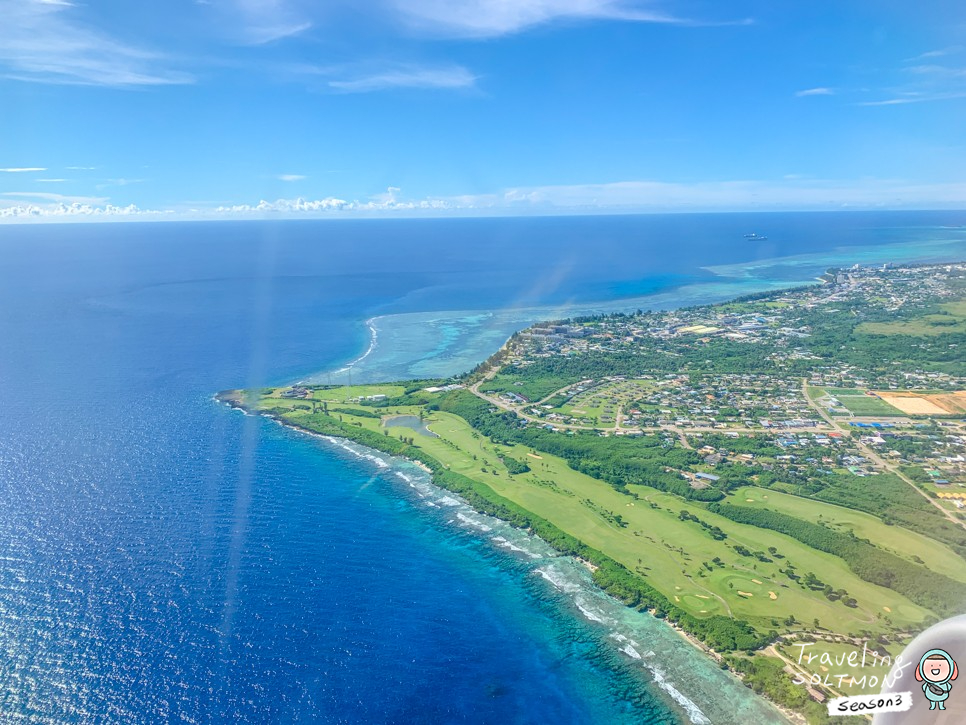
[(929, 589), (858, 403), (699, 525), (894, 502), (619, 461), (945, 319), (900, 541)]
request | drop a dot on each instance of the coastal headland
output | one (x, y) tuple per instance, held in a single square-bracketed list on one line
[(781, 469)]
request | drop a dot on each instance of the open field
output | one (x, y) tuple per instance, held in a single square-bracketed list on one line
[(603, 402), (855, 401), (952, 318), (951, 403), (358, 391), (903, 542)]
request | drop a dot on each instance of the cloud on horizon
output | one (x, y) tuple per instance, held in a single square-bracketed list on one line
[(791, 193)]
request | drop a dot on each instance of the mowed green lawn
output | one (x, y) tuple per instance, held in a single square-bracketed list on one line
[(668, 551), (342, 395), (907, 544)]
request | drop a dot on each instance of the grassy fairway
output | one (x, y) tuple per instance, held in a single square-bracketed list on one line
[(656, 543), (644, 531), (903, 542)]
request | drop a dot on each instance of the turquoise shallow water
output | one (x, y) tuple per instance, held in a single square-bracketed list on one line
[(434, 344), (164, 559)]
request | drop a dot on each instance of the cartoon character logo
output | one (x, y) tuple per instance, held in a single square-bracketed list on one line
[(936, 671)]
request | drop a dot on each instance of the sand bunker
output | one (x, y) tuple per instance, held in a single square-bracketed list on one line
[(887, 609), (745, 594), (677, 598), (772, 595), (702, 596), (756, 581), (534, 455), (749, 500)]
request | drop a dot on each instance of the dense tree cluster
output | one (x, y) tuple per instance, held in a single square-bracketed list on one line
[(513, 466), (716, 533)]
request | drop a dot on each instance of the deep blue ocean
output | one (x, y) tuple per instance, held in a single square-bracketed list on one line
[(166, 559)]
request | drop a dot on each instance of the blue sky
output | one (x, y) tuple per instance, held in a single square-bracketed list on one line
[(210, 108)]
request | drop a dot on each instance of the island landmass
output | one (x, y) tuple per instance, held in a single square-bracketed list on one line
[(765, 474)]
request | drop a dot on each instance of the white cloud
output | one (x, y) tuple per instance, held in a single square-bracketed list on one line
[(22, 170), (72, 211), (50, 181), (790, 193), (372, 76), (815, 92), (938, 71), (107, 183), (46, 42), (415, 77), (915, 98), (951, 50), (259, 22), (925, 83), (291, 177), (59, 198), (380, 203), (491, 18), (793, 192)]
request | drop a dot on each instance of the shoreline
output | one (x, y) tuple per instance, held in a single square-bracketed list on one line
[(374, 454), (373, 342), (729, 282)]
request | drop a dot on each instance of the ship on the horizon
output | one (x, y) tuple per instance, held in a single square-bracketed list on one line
[(753, 237)]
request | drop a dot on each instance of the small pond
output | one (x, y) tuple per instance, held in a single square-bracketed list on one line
[(410, 421)]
